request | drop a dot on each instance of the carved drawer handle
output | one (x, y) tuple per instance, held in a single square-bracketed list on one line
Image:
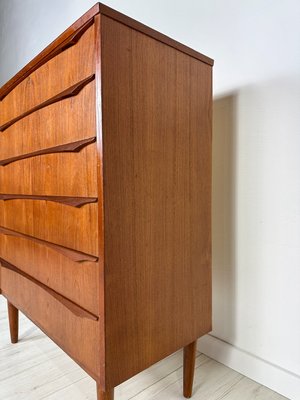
[(74, 255), (68, 201), (70, 305), (25, 72), (70, 92), (63, 148)]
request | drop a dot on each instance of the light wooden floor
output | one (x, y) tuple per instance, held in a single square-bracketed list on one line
[(36, 369)]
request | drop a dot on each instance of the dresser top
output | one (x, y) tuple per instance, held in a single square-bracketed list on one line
[(71, 34)]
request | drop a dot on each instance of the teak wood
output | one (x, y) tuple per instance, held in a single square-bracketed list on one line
[(105, 204), (13, 317), (189, 359)]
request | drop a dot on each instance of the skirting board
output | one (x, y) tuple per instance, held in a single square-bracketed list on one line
[(274, 377)]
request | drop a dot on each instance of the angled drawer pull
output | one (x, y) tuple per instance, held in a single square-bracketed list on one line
[(68, 42), (73, 307), (71, 91), (74, 255), (64, 148), (68, 201)]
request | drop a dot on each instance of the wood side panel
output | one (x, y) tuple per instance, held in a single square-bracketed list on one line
[(146, 30), (77, 62), (61, 174), (75, 228), (157, 193), (78, 282), (69, 120), (75, 335)]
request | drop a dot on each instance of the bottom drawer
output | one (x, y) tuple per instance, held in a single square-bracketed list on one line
[(77, 336), (78, 281)]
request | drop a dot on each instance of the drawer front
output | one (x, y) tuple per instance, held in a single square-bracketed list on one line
[(65, 225), (55, 76), (76, 334), (77, 281), (62, 123), (56, 174)]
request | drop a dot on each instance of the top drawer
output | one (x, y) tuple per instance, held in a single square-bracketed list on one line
[(60, 73)]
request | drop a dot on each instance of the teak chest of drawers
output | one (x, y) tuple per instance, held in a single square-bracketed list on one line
[(105, 196)]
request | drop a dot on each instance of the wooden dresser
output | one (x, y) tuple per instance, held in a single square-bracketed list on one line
[(105, 196)]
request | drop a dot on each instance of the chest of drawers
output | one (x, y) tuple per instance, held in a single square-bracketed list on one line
[(105, 196)]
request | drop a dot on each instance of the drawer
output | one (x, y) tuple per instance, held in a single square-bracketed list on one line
[(62, 123), (68, 68), (77, 281), (74, 332), (65, 225), (57, 174)]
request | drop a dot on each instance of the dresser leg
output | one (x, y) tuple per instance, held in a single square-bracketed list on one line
[(189, 359), (13, 317), (109, 395)]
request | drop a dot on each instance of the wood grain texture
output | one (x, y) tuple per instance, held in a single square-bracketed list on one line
[(75, 335), (189, 360), (63, 148), (47, 81), (74, 255), (69, 92), (79, 282), (74, 33), (68, 201), (157, 191), (146, 30), (13, 318), (60, 123), (67, 39), (99, 133), (139, 104), (59, 174), (70, 305), (43, 220)]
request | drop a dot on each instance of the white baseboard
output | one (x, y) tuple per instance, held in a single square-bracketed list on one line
[(274, 377)]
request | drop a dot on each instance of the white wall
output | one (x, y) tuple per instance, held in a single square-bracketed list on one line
[(256, 191)]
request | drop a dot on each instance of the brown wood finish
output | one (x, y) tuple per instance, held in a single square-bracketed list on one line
[(75, 335), (79, 282), (48, 80), (74, 255), (157, 185), (13, 317), (63, 148), (109, 395), (67, 39), (70, 305), (101, 300), (122, 278), (189, 359), (58, 174), (60, 123), (43, 221), (70, 92), (68, 201), (137, 26)]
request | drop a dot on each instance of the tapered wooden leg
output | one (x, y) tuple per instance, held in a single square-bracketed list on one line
[(189, 359), (13, 317), (109, 395)]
